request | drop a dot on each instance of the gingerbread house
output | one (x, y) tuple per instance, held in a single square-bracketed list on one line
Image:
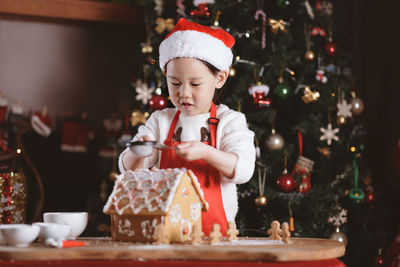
[(143, 199)]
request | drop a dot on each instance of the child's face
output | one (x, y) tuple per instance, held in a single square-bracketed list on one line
[(191, 85)]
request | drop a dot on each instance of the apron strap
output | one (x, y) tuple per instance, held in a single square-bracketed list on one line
[(173, 125), (213, 121)]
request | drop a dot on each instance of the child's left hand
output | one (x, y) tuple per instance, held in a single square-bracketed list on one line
[(192, 150)]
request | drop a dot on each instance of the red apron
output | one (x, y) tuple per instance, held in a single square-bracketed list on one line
[(208, 177)]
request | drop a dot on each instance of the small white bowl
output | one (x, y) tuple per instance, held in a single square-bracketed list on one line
[(56, 231), (19, 235), (77, 221)]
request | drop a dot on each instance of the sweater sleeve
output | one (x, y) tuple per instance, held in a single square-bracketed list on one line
[(151, 129), (236, 138)]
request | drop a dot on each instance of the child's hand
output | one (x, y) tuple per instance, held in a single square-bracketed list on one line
[(144, 138), (192, 150)]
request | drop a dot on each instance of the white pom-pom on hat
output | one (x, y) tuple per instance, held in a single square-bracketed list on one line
[(189, 39)]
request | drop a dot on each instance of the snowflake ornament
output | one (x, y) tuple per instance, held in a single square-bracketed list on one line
[(144, 93), (328, 134), (340, 219), (344, 109)]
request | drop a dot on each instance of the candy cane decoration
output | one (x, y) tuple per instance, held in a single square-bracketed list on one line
[(259, 13)]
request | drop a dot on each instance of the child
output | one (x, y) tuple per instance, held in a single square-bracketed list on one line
[(212, 141)]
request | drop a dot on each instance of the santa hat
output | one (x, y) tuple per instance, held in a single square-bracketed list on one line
[(189, 39), (41, 124)]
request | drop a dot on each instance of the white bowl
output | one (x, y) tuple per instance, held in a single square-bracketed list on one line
[(56, 231), (19, 235), (77, 221)]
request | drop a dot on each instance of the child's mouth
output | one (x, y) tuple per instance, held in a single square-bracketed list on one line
[(186, 105)]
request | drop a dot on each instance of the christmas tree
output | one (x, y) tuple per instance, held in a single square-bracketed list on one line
[(294, 84)]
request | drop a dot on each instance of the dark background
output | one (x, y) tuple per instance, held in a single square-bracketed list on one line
[(370, 31)]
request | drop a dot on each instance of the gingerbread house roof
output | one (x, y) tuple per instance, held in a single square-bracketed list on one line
[(145, 192)]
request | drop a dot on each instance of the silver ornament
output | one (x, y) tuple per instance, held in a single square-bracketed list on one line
[(274, 141), (339, 236)]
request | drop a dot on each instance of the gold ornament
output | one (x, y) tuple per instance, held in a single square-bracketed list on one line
[(261, 201), (309, 55), (164, 24), (357, 106), (147, 48), (341, 120), (216, 23), (325, 151), (15, 200), (310, 96), (232, 72), (138, 117), (277, 25)]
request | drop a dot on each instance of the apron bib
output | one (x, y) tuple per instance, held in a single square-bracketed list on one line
[(207, 176)]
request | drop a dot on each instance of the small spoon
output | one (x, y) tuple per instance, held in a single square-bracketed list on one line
[(145, 148)]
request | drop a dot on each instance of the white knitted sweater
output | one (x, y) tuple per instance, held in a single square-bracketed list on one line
[(233, 136)]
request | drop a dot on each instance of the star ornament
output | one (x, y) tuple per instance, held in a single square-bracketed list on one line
[(344, 109), (329, 134)]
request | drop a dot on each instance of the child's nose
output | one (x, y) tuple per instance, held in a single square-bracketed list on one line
[(185, 91)]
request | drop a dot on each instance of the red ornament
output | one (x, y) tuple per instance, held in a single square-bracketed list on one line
[(158, 102), (331, 48), (286, 182), (260, 100), (379, 260), (201, 11), (304, 186), (369, 196)]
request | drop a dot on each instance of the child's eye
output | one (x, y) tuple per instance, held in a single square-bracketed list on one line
[(175, 84), (195, 84)]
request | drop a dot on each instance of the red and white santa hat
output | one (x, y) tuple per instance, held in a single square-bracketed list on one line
[(189, 39)]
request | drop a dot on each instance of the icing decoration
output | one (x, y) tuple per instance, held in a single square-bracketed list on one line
[(195, 211), (125, 228), (175, 214), (148, 191), (147, 228)]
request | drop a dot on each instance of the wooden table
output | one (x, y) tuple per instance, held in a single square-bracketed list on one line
[(245, 249)]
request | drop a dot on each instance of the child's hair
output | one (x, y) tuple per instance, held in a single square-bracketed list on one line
[(214, 71), (211, 67)]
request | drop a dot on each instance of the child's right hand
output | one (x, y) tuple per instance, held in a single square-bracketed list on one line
[(144, 138)]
